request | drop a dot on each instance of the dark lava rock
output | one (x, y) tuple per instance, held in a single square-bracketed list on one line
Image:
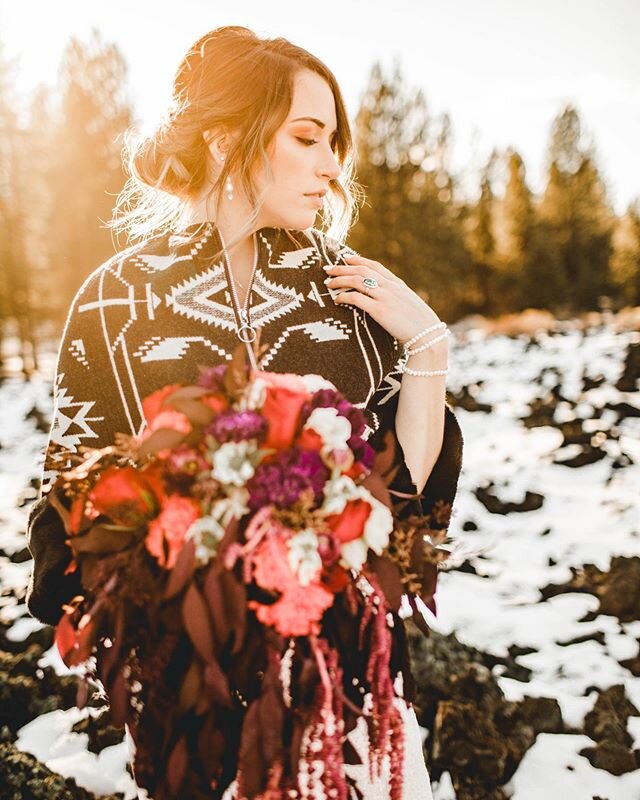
[(27, 690), (42, 421), (474, 733), (541, 413), (466, 399), (531, 502), (628, 381), (632, 664), (606, 724), (592, 383), (100, 730), (618, 588), (624, 410), (589, 454), (23, 777)]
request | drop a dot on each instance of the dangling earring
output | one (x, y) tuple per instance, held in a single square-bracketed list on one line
[(228, 184)]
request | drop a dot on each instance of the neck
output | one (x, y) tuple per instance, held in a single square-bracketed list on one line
[(230, 220)]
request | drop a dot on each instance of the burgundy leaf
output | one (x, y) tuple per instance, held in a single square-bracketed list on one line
[(417, 616), (429, 582), (190, 687), (177, 766), (118, 698), (389, 578), (216, 681), (182, 571), (219, 615), (252, 768), (100, 539), (195, 616), (197, 413), (160, 440), (235, 603), (185, 393), (378, 488)]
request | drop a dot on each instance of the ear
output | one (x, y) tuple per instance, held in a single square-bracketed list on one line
[(218, 141)]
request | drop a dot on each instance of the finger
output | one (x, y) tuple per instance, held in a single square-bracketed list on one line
[(356, 298), (353, 282), (368, 262)]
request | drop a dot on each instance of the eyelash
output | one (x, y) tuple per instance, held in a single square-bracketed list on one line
[(309, 142)]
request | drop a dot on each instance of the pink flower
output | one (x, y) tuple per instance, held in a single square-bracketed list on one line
[(168, 530), (298, 612), (271, 568)]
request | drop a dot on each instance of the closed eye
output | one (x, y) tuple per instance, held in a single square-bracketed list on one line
[(309, 142)]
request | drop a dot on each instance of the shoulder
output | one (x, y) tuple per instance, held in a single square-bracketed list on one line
[(123, 267), (332, 249)]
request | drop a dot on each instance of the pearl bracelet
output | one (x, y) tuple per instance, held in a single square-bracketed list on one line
[(424, 333), (424, 373), (428, 344)]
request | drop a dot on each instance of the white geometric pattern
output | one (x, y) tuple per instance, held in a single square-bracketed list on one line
[(193, 298), (70, 412), (170, 348), (78, 351)]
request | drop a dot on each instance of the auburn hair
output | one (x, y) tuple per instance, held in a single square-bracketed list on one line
[(230, 79)]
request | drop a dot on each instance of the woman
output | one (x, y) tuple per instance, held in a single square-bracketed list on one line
[(223, 199)]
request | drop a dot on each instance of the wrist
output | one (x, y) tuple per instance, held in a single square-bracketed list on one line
[(434, 357)]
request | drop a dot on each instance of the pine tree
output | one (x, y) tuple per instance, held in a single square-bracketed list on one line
[(87, 172), (625, 260), (575, 221), (516, 234), (409, 221)]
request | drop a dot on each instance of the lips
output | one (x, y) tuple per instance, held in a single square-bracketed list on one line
[(320, 194)]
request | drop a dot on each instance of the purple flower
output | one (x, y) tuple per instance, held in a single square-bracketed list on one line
[(212, 378), (236, 426), (281, 481)]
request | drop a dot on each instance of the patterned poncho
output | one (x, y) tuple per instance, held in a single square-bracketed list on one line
[(152, 314)]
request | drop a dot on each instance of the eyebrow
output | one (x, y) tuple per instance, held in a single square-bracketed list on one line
[(318, 122)]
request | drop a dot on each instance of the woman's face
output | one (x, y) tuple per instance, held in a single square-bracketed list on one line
[(301, 155)]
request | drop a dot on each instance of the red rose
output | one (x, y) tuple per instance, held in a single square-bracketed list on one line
[(285, 395), (168, 530), (128, 496), (310, 440), (349, 524)]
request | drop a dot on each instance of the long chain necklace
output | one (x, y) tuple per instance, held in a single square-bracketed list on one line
[(244, 330)]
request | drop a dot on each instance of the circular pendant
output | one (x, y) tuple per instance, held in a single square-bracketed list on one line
[(246, 333)]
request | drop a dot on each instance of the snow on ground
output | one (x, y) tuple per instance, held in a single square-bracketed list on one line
[(589, 514)]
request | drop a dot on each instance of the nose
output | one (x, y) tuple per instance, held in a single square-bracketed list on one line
[(330, 168)]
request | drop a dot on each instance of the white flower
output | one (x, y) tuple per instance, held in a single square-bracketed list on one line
[(334, 429), (207, 533), (304, 558), (353, 554), (233, 462), (255, 395), (315, 382), (234, 505)]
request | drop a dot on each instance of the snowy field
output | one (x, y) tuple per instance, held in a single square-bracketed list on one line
[(588, 514)]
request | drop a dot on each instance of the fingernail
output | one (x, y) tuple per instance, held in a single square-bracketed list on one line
[(328, 267)]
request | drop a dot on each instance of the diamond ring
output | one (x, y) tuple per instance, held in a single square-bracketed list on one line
[(370, 283)]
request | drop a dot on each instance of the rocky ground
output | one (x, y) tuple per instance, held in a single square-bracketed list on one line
[(528, 683)]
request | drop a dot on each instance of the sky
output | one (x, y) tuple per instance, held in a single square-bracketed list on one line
[(501, 69)]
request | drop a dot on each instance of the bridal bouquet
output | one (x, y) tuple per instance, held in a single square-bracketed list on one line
[(239, 561)]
